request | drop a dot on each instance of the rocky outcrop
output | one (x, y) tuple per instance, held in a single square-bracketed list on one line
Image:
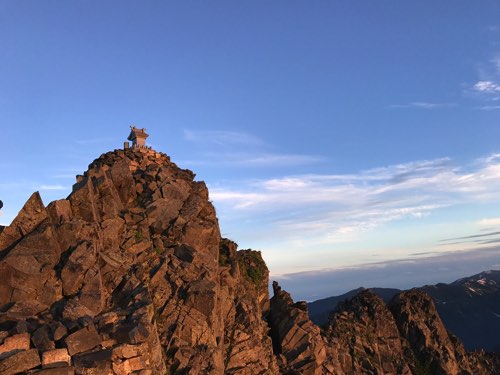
[(433, 349), (407, 337), (467, 307), (365, 338), (245, 298), (130, 275), (124, 276), (297, 341)]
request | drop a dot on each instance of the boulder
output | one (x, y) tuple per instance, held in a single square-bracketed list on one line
[(19, 362), (14, 344), (82, 340)]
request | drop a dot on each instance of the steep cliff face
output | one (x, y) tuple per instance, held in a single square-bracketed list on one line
[(130, 275), (245, 300), (124, 275), (297, 341)]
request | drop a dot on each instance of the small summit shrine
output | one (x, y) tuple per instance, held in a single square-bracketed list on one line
[(138, 137)]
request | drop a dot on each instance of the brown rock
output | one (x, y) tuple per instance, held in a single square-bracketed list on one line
[(129, 365), (128, 351), (85, 339), (30, 216), (56, 358), (434, 349), (79, 262), (139, 247), (295, 336), (69, 370), (95, 362), (19, 362), (42, 340), (60, 211), (4, 335), (58, 330), (364, 337), (138, 334), (14, 344)]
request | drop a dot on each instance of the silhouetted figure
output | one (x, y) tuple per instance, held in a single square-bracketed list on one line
[(1, 205)]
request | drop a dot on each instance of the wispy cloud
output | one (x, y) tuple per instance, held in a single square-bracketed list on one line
[(486, 86), (68, 172), (258, 159), (332, 208), (404, 273), (489, 107), (228, 148), (473, 237), (488, 223), (496, 63), (423, 105)]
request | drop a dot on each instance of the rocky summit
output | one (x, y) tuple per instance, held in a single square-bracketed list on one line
[(130, 275)]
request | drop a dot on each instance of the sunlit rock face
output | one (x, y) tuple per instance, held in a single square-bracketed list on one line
[(125, 276), (130, 275)]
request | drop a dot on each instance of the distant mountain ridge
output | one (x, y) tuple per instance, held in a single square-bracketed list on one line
[(469, 307)]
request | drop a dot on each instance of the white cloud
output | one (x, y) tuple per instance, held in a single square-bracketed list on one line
[(489, 222), (333, 208), (237, 199), (486, 86)]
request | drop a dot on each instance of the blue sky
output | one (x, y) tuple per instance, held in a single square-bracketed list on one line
[(333, 135)]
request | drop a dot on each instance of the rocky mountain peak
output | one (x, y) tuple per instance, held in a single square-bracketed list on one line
[(124, 276), (130, 275)]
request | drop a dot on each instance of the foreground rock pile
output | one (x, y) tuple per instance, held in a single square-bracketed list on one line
[(130, 275)]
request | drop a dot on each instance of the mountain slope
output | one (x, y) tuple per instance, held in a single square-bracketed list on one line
[(469, 307), (319, 311)]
